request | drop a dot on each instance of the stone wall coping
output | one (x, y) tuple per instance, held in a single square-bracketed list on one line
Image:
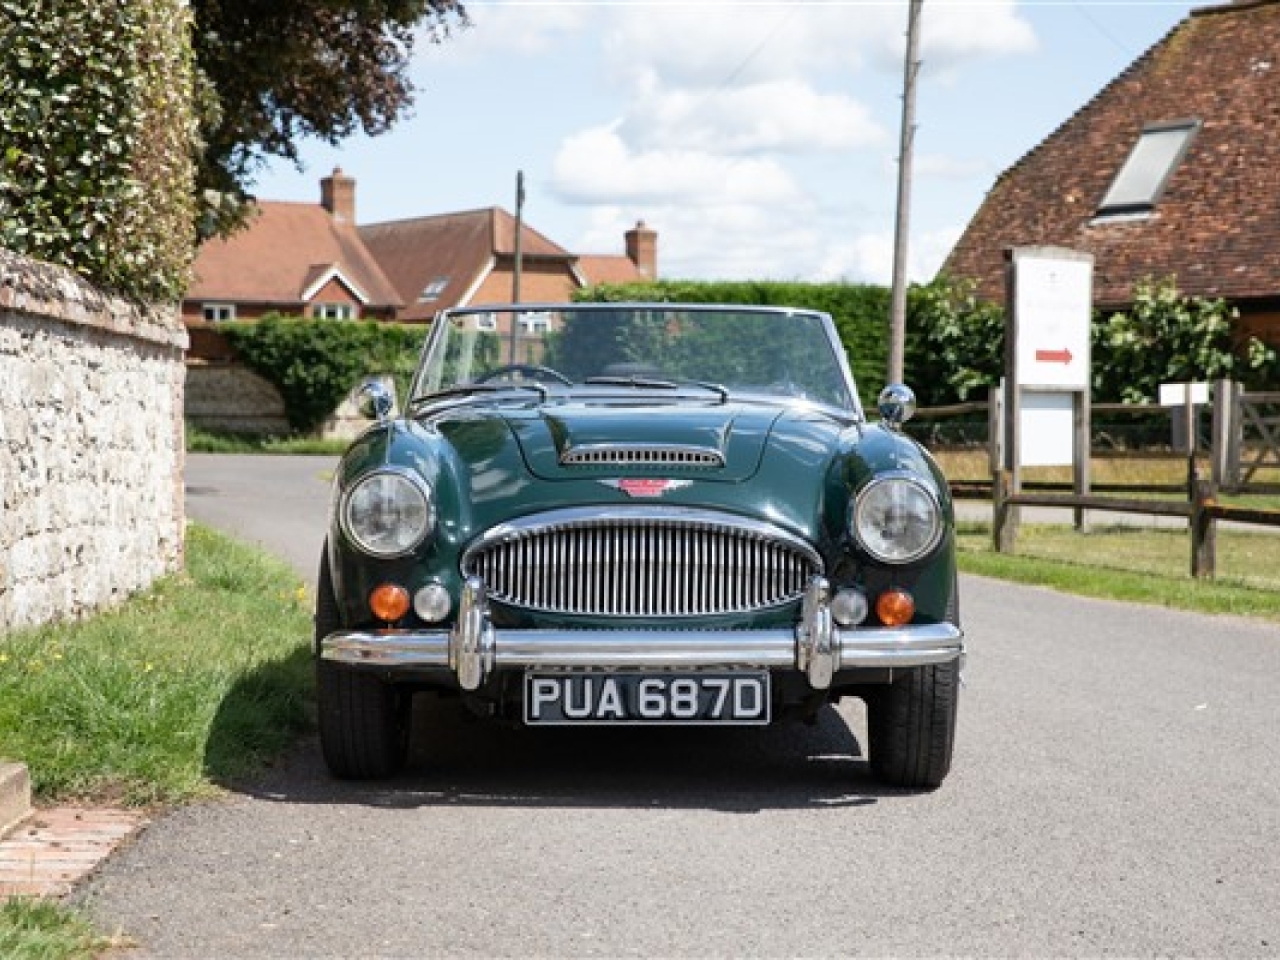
[(46, 290)]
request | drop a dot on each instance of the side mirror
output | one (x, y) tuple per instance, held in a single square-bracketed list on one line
[(374, 400), (897, 405)]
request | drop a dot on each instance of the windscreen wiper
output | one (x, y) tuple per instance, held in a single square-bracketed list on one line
[(653, 383), (468, 389)]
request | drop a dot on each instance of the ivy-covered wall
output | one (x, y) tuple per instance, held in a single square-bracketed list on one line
[(96, 162)]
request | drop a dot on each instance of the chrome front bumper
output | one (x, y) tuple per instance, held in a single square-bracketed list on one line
[(816, 646)]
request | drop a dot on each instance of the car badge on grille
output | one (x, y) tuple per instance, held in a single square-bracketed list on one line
[(646, 486)]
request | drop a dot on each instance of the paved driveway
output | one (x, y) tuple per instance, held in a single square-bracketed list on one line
[(1116, 791)]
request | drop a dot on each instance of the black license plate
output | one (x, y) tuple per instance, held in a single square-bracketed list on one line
[(730, 698)]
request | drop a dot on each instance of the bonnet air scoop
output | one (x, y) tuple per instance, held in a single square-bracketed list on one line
[(641, 455)]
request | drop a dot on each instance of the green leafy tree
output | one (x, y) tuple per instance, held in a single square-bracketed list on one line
[(278, 71)]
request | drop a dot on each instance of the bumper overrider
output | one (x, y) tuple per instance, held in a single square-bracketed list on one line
[(817, 647)]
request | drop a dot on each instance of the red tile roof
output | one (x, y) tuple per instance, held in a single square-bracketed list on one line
[(457, 249), (282, 252), (1216, 228), (601, 268)]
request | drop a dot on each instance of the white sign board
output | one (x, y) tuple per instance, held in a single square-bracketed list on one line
[(1053, 304), (1176, 394), (1047, 429)]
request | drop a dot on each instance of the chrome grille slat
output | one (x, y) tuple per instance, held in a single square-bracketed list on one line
[(653, 564), (642, 455)]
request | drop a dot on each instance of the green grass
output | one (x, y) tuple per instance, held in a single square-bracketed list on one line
[(1134, 564), (44, 930), (206, 441), (187, 686)]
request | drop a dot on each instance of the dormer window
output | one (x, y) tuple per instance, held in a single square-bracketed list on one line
[(433, 290), (1142, 179)]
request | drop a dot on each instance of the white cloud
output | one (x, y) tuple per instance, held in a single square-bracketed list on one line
[(516, 28), (720, 109), (597, 166), (786, 116), (868, 257), (953, 33)]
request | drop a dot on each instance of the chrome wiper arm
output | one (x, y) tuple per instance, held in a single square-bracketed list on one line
[(640, 383)]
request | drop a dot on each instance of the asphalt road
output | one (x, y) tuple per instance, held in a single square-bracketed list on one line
[(1116, 791)]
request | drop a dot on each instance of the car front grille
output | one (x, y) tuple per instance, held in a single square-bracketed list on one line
[(656, 562)]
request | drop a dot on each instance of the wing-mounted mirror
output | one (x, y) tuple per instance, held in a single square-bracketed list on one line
[(375, 399), (897, 405)]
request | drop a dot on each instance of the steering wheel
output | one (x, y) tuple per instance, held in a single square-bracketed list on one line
[(528, 371)]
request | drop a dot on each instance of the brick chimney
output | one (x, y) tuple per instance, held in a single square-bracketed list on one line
[(338, 196), (642, 249)]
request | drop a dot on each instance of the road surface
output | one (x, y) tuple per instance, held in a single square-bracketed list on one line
[(1116, 791)]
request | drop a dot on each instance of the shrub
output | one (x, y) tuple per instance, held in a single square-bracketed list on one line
[(315, 363), (1166, 337)]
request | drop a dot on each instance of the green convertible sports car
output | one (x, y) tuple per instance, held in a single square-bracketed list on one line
[(640, 513)]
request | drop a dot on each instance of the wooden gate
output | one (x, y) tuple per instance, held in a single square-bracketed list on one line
[(1246, 438)]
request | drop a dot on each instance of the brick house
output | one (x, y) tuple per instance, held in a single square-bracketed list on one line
[(296, 259), (303, 259), (1171, 170)]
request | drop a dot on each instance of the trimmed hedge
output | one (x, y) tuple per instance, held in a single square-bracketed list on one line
[(860, 312), (96, 166), (316, 363)]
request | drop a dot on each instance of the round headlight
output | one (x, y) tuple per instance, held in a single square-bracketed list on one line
[(897, 519), (388, 513)]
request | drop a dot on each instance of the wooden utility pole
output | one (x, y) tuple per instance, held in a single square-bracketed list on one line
[(898, 300), (518, 254)]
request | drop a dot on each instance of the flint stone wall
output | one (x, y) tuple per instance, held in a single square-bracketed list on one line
[(228, 397), (91, 449)]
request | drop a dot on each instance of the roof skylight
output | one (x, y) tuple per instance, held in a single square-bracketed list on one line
[(1142, 178)]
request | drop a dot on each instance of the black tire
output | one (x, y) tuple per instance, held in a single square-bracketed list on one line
[(912, 727), (911, 723), (363, 719), (364, 723)]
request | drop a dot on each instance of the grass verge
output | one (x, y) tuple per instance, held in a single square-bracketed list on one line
[(1134, 565), (184, 688), (206, 441), (44, 930), (189, 685)]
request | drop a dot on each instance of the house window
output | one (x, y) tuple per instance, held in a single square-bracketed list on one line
[(1142, 179), (218, 312), (487, 322), (433, 290), (333, 311), (535, 323)]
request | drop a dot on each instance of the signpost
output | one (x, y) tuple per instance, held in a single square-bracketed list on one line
[(1049, 294)]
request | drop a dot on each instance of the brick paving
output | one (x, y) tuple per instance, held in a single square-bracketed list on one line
[(49, 853)]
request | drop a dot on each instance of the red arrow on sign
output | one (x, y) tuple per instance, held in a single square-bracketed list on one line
[(1062, 356)]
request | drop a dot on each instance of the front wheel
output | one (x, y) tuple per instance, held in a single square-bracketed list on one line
[(364, 723), (911, 724), (364, 720)]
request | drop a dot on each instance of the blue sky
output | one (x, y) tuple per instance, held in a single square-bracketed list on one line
[(759, 139)]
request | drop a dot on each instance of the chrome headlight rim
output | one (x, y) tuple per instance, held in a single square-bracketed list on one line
[(861, 500), (417, 484)]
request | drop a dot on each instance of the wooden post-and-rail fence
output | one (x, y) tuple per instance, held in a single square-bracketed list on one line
[(1245, 441)]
